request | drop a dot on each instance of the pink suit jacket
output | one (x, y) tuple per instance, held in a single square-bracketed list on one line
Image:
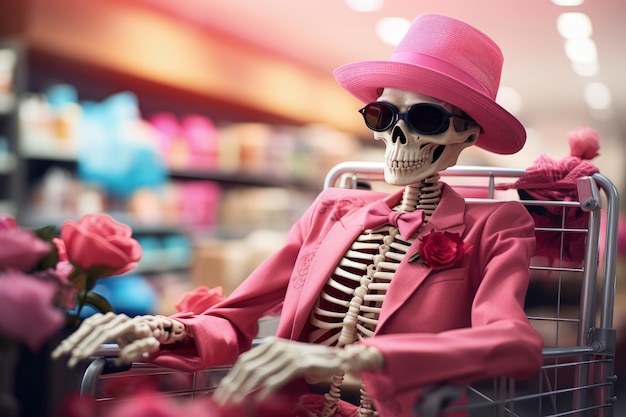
[(453, 325)]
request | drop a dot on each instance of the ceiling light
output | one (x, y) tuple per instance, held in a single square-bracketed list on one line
[(8, 57), (391, 30), (581, 50), (568, 2), (598, 96), (365, 5), (574, 25), (586, 69)]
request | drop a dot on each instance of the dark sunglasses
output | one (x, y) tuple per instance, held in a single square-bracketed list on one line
[(424, 118)]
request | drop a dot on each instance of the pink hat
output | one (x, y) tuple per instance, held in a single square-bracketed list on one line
[(449, 60)]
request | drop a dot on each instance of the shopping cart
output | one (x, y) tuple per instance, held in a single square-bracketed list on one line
[(575, 318), (570, 302)]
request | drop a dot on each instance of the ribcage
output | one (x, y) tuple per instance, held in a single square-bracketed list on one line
[(349, 305)]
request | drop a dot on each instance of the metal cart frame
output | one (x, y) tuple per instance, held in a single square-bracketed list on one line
[(577, 378)]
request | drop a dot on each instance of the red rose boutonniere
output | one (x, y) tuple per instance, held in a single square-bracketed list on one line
[(441, 250)]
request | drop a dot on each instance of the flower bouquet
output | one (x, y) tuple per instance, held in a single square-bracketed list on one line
[(46, 279)]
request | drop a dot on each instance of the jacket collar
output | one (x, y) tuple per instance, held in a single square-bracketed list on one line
[(448, 216)]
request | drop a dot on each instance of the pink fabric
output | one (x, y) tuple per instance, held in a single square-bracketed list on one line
[(452, 325), (444, 67), (551, 180), (408, 223), (312, 404), (450, 60)]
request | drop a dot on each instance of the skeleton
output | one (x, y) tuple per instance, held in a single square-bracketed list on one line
[(350, 303), (348, 308)]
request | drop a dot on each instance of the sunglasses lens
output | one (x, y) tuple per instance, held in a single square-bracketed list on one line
[(428, 119), (378, 116), (424, 118)]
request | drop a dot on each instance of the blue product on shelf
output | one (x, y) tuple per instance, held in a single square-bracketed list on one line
[(178, 250), (115, 147), (61, 95), (128, 294)]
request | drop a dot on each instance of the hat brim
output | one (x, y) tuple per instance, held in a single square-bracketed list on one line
[(502, 132)]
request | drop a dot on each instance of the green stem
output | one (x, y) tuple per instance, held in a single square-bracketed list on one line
[(81, 301)]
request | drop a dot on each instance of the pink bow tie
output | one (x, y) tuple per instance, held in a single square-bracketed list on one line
[(408, 223)]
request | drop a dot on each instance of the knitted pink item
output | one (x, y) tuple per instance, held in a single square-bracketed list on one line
[(548, 179)]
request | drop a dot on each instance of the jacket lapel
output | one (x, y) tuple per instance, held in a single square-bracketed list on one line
[(339, 238), (448, 216)]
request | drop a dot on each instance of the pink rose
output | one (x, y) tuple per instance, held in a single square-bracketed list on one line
[(199, 299), (27, 311), (100, 245), (441, 250), (61, 251), (66, 292), (7, 222), (21, 249)]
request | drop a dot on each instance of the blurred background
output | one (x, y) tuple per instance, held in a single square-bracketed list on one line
[(208, 126)]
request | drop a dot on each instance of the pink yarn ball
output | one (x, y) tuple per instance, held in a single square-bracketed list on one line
[(584, 143)]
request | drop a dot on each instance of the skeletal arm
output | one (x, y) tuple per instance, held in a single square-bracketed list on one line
[(137, 336), (277, 361)]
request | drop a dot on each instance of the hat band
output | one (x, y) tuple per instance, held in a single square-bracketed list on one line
[(436, 64)]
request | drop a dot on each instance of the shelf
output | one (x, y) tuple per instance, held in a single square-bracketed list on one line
[(159, 261), (226, 178), (7, 206), (8, 163), (47, 150), (176, 67), (141, 45), (249, 179), (35, 219), (8, 103)]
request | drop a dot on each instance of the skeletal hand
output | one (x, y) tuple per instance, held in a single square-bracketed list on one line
[(137, 336), (277, 361)]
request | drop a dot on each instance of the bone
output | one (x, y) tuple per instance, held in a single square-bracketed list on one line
[(332, 397), (429, 196), (409, 198), (350, 303)]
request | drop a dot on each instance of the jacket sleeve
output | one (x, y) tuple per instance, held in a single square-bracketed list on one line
[(224, 331), (500, 340)]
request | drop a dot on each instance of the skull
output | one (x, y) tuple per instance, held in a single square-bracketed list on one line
[(411, 157)]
